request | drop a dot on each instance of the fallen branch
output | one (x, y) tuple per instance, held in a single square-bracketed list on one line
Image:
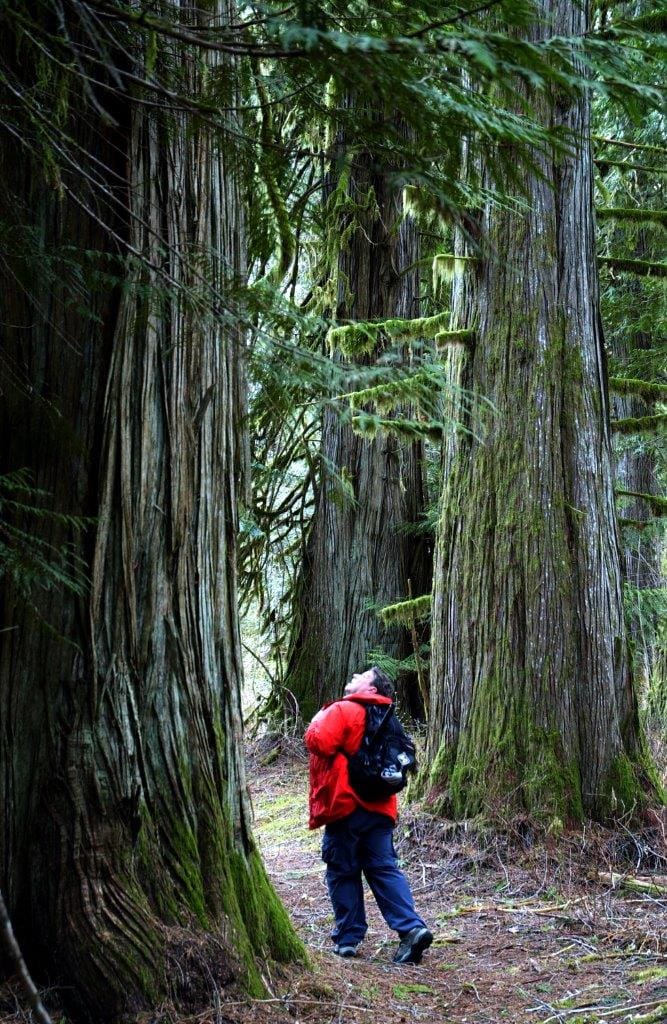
[(16, 957), (601, 1010), (655, 885)]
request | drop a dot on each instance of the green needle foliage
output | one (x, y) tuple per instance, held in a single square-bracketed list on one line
[(29, 562)]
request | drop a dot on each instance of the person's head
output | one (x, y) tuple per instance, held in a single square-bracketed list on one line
[(373, 680)]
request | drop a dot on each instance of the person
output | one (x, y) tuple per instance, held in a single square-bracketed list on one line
[(358, 835)]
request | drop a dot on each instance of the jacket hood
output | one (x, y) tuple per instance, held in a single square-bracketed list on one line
[(368, 698)]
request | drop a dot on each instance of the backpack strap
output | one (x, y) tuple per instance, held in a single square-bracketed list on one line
[(382, 727)]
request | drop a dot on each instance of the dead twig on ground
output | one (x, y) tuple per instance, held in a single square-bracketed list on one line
[(16, 957)]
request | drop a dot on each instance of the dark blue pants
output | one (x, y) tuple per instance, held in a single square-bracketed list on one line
[(363, 842)]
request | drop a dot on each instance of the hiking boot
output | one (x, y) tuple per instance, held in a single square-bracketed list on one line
[(346, 949), (412, 945)]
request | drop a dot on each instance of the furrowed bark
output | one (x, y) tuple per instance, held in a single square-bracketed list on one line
[(532, 705), (126, 832), (357, 556)]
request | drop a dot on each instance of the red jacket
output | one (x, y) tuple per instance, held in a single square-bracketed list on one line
[(335, 731)]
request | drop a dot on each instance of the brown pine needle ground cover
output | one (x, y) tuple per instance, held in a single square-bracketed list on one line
[(571, 931), (523, 933)]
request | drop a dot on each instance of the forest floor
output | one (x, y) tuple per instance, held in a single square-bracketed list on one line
[(526, 932)]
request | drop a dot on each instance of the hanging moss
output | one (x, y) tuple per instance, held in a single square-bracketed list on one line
[(369, 425), (627, 165), (634, 524), (354, 340), (447, 266), (419, 327), (642, 268), (285, 233), (632, 215), (444, 338), (404, 613), (427, 208), (647, 390), (386, 397), (658, 504), (639, 424), (362, 337)]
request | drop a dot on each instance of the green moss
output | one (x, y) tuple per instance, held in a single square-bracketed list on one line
[(362, 337), (368, 425), (444, 338), (504, 762), (416, 388), (642, 268), (265, 919), (634, 215), (631, 785), (447, 266), (639, 424), (657, 503), (644, 389), (405, 612), (187, 868)]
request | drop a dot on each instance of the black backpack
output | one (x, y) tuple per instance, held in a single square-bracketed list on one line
[(386, 755)]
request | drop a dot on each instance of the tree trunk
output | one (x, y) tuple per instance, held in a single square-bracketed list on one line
[(636, 471), (358, 555), (532, 703), (126, 823)]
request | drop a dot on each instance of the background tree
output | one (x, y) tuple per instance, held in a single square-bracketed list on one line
[(359, 554), (632, 222), (532, 699)]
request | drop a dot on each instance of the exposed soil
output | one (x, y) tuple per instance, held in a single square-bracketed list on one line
[(523, 933), (526, 932)]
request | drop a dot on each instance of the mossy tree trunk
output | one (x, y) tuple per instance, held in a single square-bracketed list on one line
[(637, 473), (532, 703), (358, 555), (126, 840)]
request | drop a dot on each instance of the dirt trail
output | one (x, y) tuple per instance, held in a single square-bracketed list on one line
[(523, 934), (532, 936)]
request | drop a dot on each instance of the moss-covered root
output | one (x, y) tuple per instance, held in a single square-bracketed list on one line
[(499, 780), (266, 921), (259, 927), (627, 785)]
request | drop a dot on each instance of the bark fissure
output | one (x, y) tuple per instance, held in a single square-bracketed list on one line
[(535, 709), (123, 787)]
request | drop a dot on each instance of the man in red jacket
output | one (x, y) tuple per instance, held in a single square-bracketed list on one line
[(358, 834)]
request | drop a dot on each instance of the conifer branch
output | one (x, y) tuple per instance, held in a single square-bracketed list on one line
[(368, 425), (647, 390), (658, 504), (444, 338), (639, 424), (634, 524), (628, 165), (629, 145), (642, 268), (404, 613), (360, 338), (447, 266), (634, 216)]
